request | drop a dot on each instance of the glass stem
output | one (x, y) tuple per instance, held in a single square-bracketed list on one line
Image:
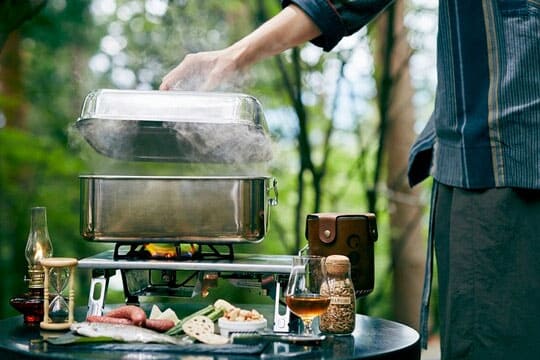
[(307, 327)]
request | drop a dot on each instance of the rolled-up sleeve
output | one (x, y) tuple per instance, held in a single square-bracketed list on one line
[(339, 18)]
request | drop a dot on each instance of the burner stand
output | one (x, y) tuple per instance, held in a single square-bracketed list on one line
[(138, 251), (244, 270)]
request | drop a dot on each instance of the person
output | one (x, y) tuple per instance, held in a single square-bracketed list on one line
[(481, 146)]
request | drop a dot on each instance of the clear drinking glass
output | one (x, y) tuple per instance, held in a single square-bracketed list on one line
[(303, 294)]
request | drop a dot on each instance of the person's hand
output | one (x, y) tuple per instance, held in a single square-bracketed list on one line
[(201, 71), (208, 70)]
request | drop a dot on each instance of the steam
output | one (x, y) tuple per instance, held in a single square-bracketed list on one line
[(121, 147), (110, 138), (221, 143), (199, 80)]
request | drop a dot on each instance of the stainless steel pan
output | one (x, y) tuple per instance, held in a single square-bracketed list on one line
[(175, 209)]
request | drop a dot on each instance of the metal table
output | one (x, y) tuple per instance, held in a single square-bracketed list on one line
[(373, 338)]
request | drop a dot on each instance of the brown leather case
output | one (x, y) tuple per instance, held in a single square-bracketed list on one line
[(352, 235)]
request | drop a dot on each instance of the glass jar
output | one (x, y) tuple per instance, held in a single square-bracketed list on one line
[(340, 318)]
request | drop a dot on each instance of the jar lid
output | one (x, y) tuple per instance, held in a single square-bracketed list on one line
[(337, 264)]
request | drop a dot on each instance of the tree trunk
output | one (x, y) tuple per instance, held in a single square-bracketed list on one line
[(11, 89), (405, 209)]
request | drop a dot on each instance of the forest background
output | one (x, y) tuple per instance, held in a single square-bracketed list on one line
[(341, 123)]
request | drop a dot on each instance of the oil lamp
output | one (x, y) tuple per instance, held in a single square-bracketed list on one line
[(38, 246)]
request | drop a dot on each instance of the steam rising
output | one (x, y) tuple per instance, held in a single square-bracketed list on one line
[(169, 148), (225, 143)]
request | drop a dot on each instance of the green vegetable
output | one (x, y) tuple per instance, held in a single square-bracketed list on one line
[(177, 329), (215, 314)]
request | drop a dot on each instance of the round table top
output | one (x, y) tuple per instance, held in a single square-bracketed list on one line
[(372, 338)]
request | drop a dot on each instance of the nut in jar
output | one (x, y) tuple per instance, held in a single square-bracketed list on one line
[(340, 318)]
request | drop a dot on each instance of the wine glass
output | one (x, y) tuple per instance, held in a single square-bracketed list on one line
[(303, 294)]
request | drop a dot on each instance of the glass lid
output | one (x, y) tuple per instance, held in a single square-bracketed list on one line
[(175, 126)]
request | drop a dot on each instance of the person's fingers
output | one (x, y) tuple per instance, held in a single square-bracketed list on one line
[(207, 86), (189, 68), (175, 73), (169, 80), (173, 76), (196, 72), (165, 83)]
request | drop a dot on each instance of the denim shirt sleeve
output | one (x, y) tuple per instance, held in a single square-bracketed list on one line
[(338, 18), (421, 154)]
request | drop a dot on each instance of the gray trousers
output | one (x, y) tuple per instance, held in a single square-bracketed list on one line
[(487, 246)]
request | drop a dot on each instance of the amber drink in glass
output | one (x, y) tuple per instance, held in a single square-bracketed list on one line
[(303, 294)]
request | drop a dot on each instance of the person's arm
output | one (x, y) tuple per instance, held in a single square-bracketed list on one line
[(323, 22), (205, 70), (338, 18)]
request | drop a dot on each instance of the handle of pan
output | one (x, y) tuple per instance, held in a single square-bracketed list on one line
[(271, 201), (273, 187)]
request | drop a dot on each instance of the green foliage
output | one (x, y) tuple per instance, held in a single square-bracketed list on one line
[(60, 23), (37, 166), (36, 171)]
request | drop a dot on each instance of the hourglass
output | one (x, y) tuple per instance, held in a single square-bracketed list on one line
[(57, 307)]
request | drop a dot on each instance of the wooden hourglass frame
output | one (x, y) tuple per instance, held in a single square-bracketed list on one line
[(59, 263)]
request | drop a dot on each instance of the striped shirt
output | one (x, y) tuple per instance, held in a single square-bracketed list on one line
[(485, 128)]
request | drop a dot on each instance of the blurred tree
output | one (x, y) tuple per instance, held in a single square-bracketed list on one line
[(12, 15), (37, 102), (13, 111), (314, 157), (396, 134), (397, 119), (15, 12)]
